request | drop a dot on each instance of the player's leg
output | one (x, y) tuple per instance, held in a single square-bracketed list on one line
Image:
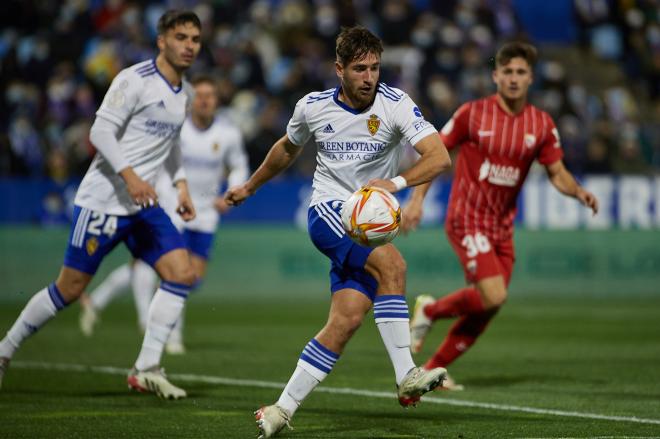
[(156, 241), (143, 284), (388, 268), (464, 301), (493, 291), (93, 235), (92, 306), (199, 245)]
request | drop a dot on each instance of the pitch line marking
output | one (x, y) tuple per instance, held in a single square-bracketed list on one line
[(208, 379)]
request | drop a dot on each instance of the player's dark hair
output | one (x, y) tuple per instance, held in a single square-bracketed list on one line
[(204, 79), (516, 49), (174, 17), (356, 42)]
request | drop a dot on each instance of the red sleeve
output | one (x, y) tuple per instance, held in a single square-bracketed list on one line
[(550, 150), (457, 129)]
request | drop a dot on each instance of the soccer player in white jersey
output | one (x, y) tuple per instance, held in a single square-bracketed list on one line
[(359, 129), (210, 146), (136, 133)]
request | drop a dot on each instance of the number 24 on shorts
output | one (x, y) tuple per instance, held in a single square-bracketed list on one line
[(475, 244), (99, 219)]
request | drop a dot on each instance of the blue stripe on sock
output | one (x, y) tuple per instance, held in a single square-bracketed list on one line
[(324, 349), (180, 290), (56, 296), (314, 363), (391, 306), (319, 356), (384, 315)]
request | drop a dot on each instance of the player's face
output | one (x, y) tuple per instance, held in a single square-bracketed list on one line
[(359, 78), (513, 79), (180, 45), (206, 100)]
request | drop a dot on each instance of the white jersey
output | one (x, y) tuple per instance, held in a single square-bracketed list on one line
[(207, 156), (354, 147), (150, 113)]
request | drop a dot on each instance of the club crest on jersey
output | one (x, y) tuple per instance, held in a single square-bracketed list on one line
[(216, 146), (373, 124), (92, 245), (530, 140)]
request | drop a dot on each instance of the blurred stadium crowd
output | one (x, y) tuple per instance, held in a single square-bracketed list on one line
[(599, 74)]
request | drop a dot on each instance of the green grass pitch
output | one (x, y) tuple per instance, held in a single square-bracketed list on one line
[(586, 357)]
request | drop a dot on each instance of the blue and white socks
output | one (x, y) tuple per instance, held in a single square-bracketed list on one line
[(164, 311), (40, 309), (392, 320), (315, 363)]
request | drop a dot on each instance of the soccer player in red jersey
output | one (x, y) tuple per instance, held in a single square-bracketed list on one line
[(500, 137)]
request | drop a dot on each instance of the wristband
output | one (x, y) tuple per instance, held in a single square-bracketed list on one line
[(399, 182)]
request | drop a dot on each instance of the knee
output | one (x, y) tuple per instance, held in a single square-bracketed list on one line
[(494, 298), (394, 270), (347, 324), (183, 275), (70, 290)]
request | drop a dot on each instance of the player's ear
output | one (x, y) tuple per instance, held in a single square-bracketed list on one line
[(160, 42), (339, 69)]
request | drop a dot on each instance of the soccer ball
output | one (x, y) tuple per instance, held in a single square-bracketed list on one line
[(371, 216)]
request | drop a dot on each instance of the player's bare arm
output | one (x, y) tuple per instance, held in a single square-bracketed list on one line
[(185, 209), (413, 210), (565, 183), (280, 157), (433, 161), (141, 192)]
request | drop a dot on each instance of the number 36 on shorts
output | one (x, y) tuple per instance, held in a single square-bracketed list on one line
[(475, 244)]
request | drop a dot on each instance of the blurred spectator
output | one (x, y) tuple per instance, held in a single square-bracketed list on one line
[(599, 74)]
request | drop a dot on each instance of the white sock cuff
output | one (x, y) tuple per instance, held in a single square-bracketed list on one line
[(313, 371)]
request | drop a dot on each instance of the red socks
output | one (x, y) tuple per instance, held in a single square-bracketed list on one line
[(458, 303), (461, 336)]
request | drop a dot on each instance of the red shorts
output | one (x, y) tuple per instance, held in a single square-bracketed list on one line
[(481, 256)]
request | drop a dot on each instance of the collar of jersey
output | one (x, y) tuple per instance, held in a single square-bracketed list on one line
[(174, 90), (351, 110)]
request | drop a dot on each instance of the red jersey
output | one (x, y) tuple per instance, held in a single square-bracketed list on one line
[(497, 150)]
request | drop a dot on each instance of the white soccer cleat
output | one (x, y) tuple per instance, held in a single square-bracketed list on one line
[(451, 385), (420, 324), (417, 382), (88, 316), (4, 365), (271, 420), (153, 380), (175, 348)]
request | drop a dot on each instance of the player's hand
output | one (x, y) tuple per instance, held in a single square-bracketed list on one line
[(221, 205), (185, 209), (383, 184), (411, 216), (587, 199), (141, 192), (236, 195)]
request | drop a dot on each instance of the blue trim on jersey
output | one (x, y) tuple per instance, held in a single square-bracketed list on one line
[(180, 290), (351, 110), (388, 93), (391, 90), (174, 90), (321, 96), (56, 296)]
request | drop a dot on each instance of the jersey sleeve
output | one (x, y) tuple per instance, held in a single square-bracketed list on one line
[(550, 150), (297, 129), (237, 162), (457, 129), (411, 122), (121, 98)]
